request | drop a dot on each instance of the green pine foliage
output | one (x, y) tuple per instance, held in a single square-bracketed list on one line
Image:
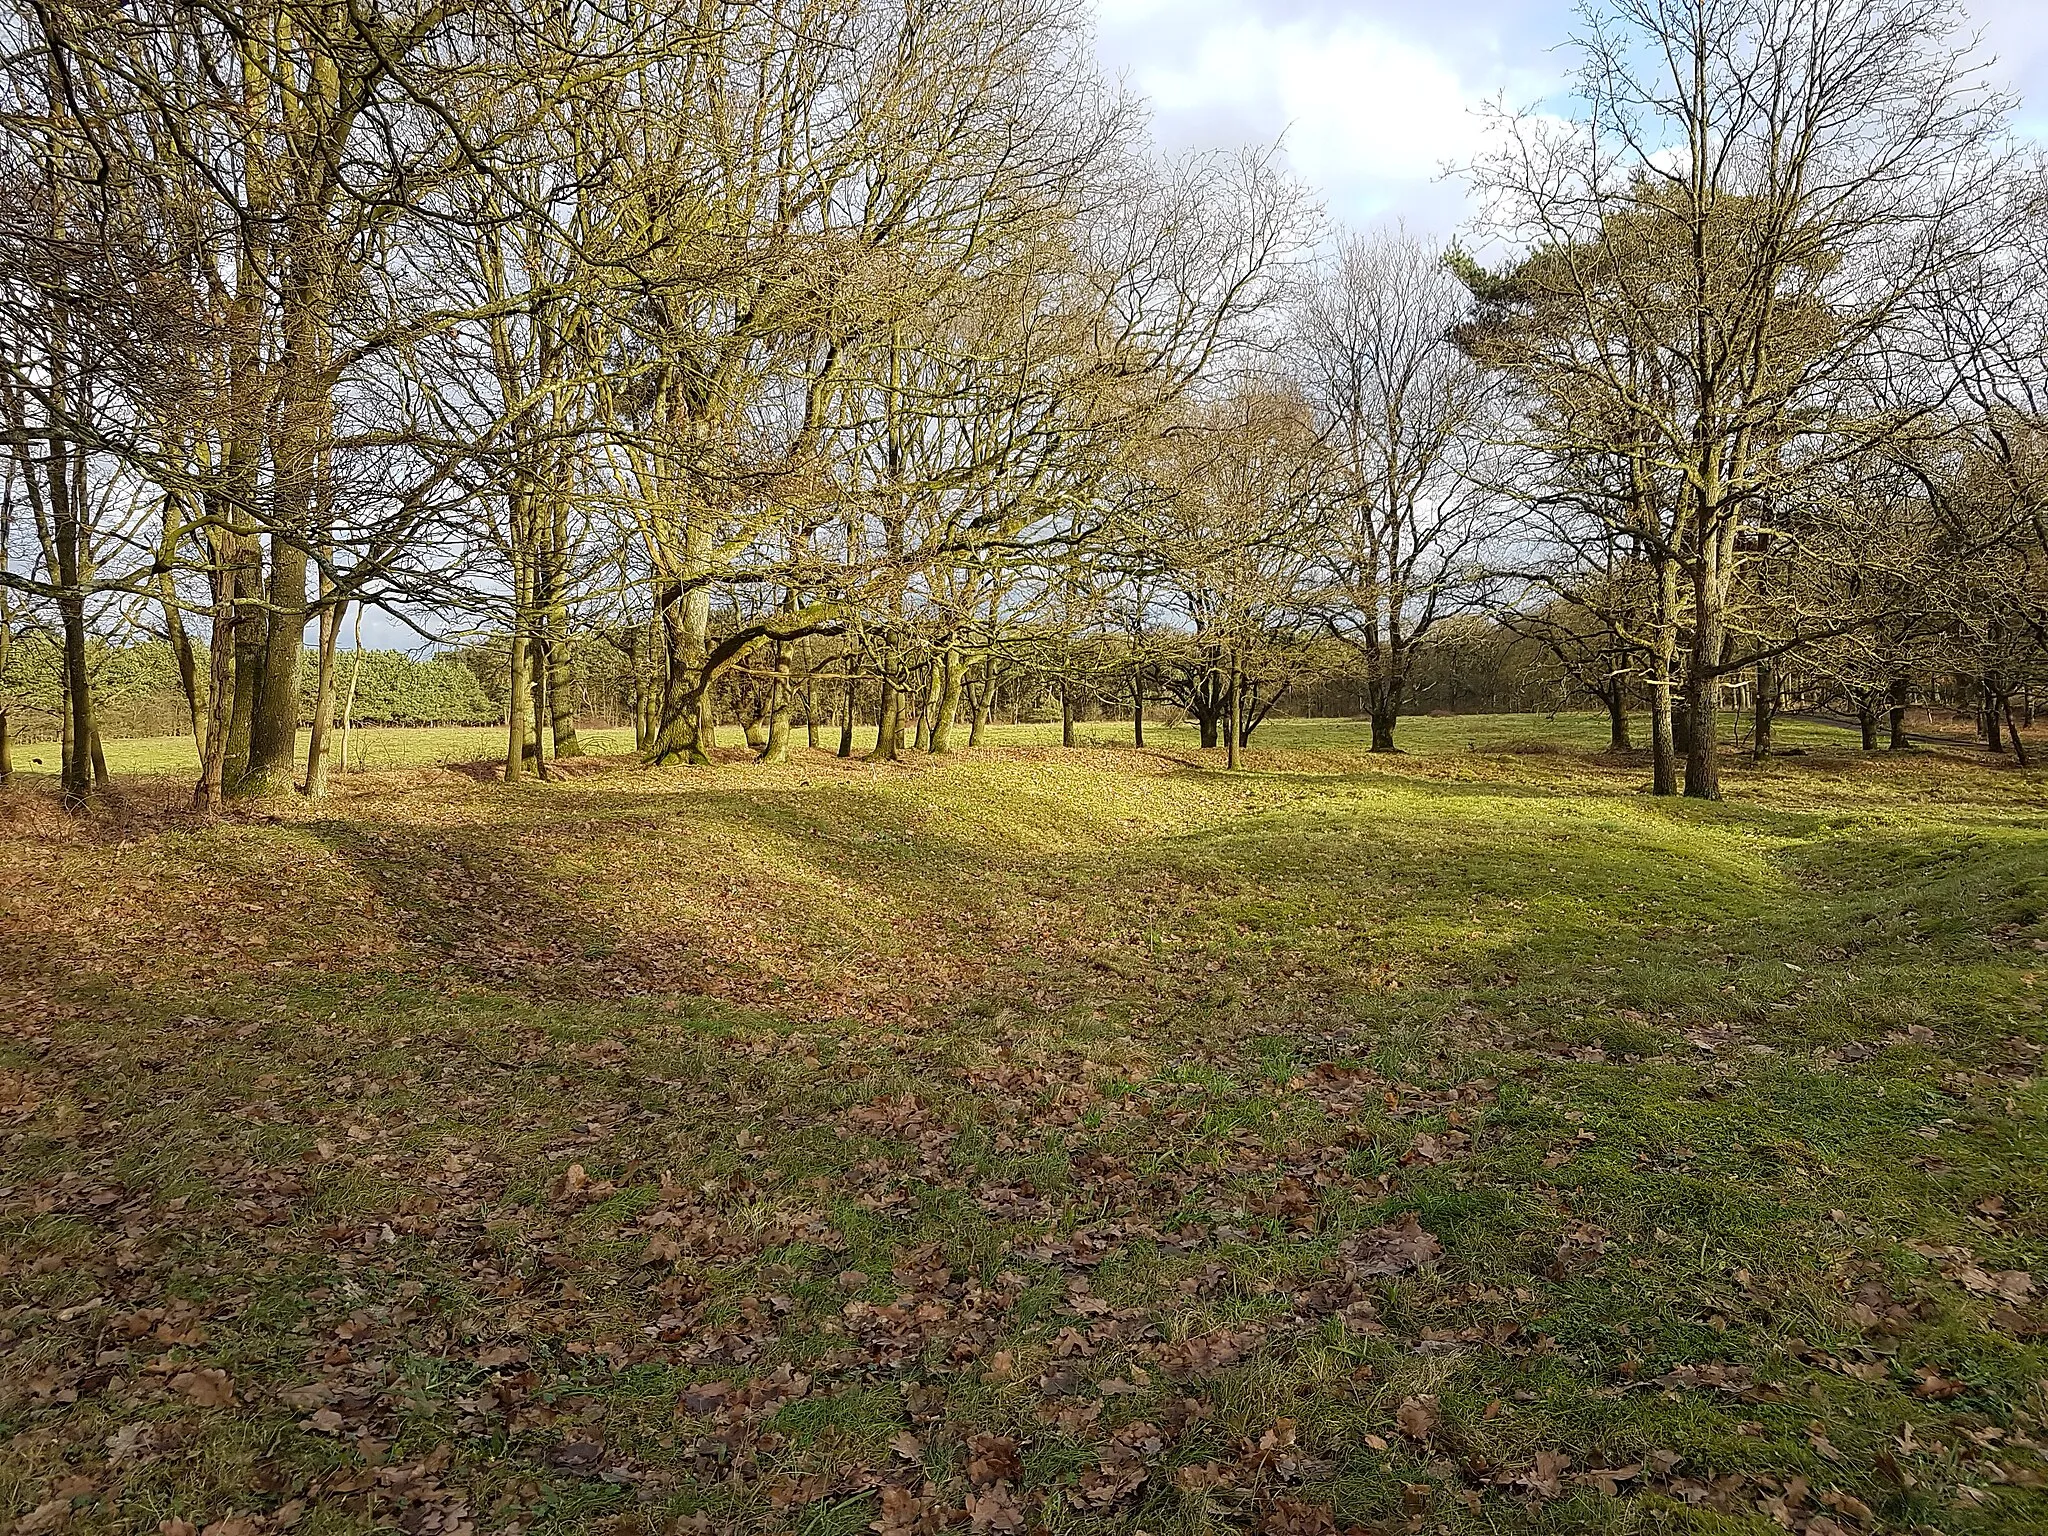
[(392, 688), (135, 688)]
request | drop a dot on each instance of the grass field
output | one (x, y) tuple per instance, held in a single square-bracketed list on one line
[(384, 749), (1077, 1141)]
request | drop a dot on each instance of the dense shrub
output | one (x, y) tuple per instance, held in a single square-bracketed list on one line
[(392, 688), (136, 690)]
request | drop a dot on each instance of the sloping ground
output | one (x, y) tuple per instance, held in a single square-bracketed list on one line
[(1033, 1140)]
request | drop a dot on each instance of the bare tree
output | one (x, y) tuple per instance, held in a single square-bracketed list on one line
[(1407, 416)]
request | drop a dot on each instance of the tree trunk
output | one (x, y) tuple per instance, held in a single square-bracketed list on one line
[(1384, 718), (323, 701), (238, 552), (248, 653), (888, 718), (649, 675), (2012, 731), (100, 777), (274, 730), (1664, 670), (986, 708), (537, 683), (208, 794), (948, 701), (1766, 711), (1066, 715), (847, 711), (175, 632), (1663, 740), (77, 777), (301, 424), (776, 748), (555, 680), (685, 732), (554, 614), (653, 685), (810, 701), (677, 731), (1383, 703), (1992, 700), (707, 719), (1703, 720), (1138, 709), (1866, 721), (348, 701), (6, 650), (1702, 748), (927, 712), (517, 697), (1231, 706), (1897, 712), (1617, 721), (515, 700)]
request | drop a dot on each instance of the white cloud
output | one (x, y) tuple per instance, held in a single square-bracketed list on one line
[(1375, 95), (1370, 115)]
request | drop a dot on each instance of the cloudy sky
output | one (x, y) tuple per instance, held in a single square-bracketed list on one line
[(1374, 96)]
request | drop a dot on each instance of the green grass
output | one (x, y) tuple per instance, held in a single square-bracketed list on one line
[(369, 750), (382, 749), (1037, 1095)]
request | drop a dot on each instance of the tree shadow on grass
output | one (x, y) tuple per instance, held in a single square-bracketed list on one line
[(1309, 903)]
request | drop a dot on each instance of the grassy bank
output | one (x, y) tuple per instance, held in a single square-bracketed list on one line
[(1077, 1140)]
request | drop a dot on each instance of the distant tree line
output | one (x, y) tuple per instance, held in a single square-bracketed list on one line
[(138, 691)]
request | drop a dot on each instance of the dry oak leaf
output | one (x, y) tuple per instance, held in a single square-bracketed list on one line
[(1609, 1479), (1712, 1374), (1113, 1478), (1417, 1417), (905, 1514), (1297, 1517), (131, 1442), (993, 1459), (995, 1509), (2012, 1284), (208, 1387), (44, 1517), (578, 1455), (1427, 1149), (1392, 1249), (798, 1492), (705, 1397), (1546, 1478)]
